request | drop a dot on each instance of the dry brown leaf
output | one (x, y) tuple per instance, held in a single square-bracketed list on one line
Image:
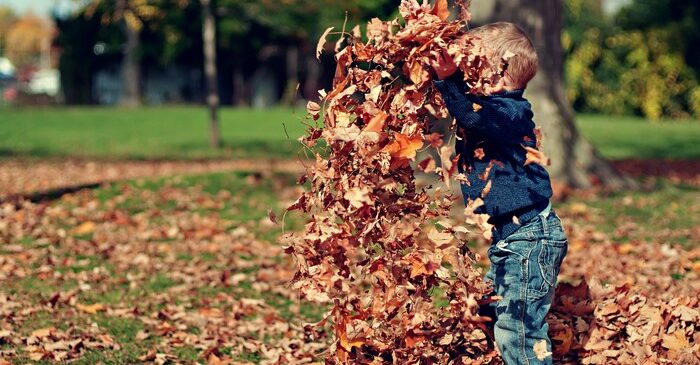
[(322, 42), (535, 156)]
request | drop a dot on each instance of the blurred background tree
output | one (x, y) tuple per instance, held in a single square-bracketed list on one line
[(130, 16), (28, 40), (644, 60)]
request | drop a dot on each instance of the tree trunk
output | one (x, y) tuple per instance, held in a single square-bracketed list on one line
[(290, 90), (312, 82), (209, 38), (240, 96), (574, 160), (131, 65)]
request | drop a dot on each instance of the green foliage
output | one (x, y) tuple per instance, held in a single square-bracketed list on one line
[(618, 66), (7, 18)]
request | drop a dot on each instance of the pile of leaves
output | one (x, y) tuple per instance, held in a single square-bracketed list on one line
[(631, 303), (363, 250), (614, 325)]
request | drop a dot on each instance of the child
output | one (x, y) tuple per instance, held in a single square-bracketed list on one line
[(529, 242)]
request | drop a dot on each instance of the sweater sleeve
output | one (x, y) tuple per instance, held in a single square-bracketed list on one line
[(493, 117)]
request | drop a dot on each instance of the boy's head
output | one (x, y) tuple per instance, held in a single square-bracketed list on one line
[(503, 37)]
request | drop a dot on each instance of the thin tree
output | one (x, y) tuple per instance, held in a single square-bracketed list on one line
[(130, 15), (131, 65), (575, 161), (210, 71)]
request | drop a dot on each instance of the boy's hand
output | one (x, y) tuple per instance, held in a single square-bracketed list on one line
[(495, 89), (444, 66)]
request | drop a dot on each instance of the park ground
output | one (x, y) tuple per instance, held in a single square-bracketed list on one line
[(155, 248)]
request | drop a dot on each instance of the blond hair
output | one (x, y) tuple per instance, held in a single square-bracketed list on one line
[(502, 38)]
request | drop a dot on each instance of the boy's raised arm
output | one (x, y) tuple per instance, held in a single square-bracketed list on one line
[(492, 117)]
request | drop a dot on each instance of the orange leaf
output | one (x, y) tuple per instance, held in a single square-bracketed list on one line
[(84, 228), (413, 339), (404, 147), (377, 123), (91, 308), (441, 10), (417, 72), (43, 332), (347, 344)]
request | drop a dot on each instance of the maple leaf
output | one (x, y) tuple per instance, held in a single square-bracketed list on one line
[(404, 147), (43, 332), (427, 165)]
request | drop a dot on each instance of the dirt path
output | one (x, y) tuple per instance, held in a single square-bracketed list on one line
[(28, 176)]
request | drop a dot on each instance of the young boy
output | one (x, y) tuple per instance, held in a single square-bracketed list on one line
[(529, 242)]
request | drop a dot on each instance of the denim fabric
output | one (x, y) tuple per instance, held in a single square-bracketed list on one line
[(524, 269)]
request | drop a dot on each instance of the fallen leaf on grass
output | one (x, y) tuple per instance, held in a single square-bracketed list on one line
[(91, 308)]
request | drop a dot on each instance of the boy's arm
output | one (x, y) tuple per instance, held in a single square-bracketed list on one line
[(491, 118)]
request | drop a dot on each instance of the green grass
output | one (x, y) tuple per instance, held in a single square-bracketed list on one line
[(664, 213), (629, 137), (177, 132), (147, 133)]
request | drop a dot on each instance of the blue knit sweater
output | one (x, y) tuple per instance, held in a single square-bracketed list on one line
[(501, 125)]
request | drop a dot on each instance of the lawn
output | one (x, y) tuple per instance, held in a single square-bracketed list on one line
[(181, 132), (147, 133), (619, 137)]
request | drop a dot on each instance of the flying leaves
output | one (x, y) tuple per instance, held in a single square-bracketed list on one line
[(364, 249)]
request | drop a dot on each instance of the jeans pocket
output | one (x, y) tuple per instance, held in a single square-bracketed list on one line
[(550, 258), (545, 271)]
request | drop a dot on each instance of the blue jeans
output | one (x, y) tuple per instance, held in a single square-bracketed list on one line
[(524, 269)]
